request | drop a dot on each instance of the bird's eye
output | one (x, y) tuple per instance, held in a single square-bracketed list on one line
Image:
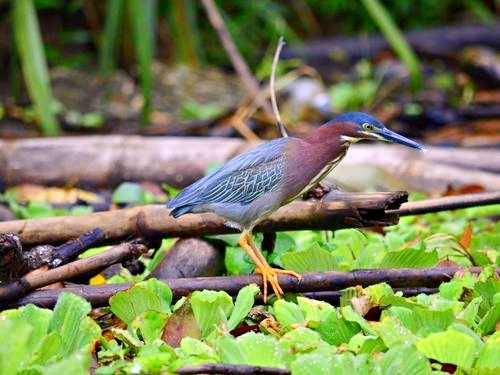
[(368, 127)]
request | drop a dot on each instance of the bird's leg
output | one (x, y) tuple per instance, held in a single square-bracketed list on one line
[(268, 273)]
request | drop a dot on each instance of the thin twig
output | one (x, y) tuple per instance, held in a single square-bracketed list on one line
[(447, 203), (274, 104), (237, 60)]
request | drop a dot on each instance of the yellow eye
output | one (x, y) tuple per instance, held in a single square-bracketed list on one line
[(368, 127)]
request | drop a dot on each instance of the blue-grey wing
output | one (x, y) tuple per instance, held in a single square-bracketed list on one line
[(242, 179)]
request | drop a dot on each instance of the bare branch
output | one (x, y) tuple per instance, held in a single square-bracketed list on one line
[(314, 285), (281, 126), (237, 60)]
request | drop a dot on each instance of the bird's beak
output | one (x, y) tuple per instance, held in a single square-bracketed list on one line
[(390, 136)]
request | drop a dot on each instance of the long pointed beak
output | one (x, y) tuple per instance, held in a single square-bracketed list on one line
[(390, 136)]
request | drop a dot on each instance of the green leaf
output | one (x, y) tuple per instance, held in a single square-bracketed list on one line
[(488, 355), (313, 363), (404, 359), (254, 349), (211, 309), (77, 363), (150, 324), (142, 16), (32, 56), (314, 311), (335, 330), (108, 50), (407, 258), (70, 321), (150, 295), (393, 332), (237, 262), (313, 259), (452, 346), (304, 340), (396, 39), (490, 321), (288, 313), (14, 339), (350, 315), (128, 192), (244, 302)]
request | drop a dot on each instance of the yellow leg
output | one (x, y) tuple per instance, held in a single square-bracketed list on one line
[(268, 273)]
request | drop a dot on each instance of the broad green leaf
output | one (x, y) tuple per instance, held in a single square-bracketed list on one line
[(132, 302), (451, 346), (336, 330), (150, 324), (361, 343), (404, 359), (392, 332), (314, 311), (378, 291), (160, 289), (128, 192), (409, 258), (14, 338), (313, 259), (211, 309), (288, 313), (350, 315), (254, 349), (488, 355), (77, 363), (312, 363), (70, 320), (303, 340), (237, 262), (38, 318), (244, 302), (426, 321), (490, 321), (195, 348)]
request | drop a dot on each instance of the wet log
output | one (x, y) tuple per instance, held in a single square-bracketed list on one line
[(317, 282), (105, 161), (153, 221)]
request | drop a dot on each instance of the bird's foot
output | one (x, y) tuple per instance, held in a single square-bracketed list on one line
[(270, 275)]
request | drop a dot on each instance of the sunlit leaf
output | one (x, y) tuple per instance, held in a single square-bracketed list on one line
[(211, 309), (313, 259), (451, 346), (404, 359)]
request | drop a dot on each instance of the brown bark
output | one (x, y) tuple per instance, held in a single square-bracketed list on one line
[(313, 283), (105, 161), (352, 210)]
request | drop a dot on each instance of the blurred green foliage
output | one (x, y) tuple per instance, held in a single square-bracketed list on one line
[(128, 33)]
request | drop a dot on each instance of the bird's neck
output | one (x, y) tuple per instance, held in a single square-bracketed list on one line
[(328, 141), (322, 151)]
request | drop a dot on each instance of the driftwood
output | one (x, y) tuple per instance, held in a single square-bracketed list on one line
[(312, 283), (353, 210), (105, 161), (117, 254)]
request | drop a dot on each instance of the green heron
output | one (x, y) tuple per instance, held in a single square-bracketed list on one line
[(257, 182)]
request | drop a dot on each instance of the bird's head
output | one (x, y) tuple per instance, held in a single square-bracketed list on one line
[(355, 126)]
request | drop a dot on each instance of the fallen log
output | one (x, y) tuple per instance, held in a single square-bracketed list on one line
[(153, 221), (105, 161), (317, 282)]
